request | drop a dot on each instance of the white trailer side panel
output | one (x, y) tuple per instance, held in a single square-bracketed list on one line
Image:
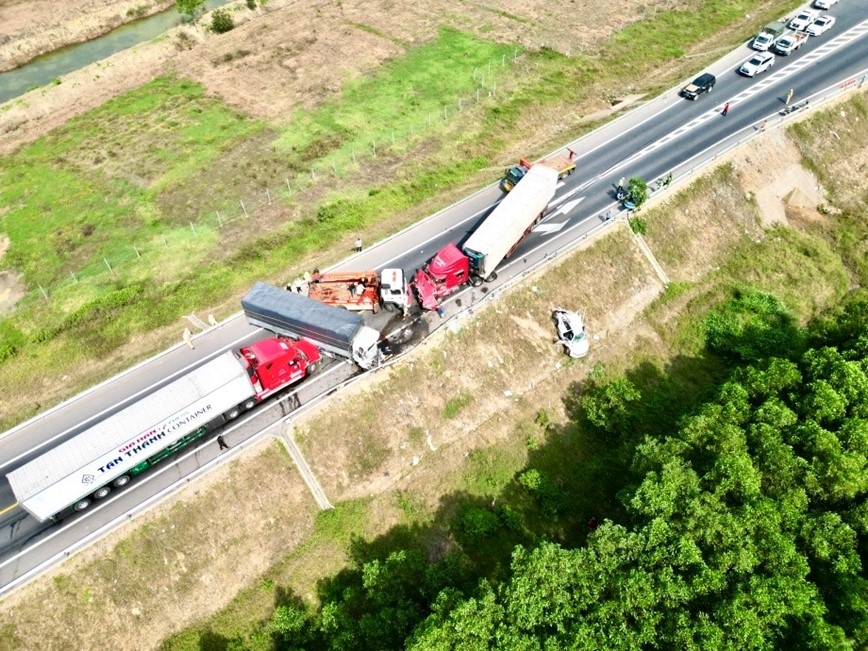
[(507, 224), (72, 470)]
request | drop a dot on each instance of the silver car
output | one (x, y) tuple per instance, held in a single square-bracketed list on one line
[(571, 332), (820, 25), (758, 63)]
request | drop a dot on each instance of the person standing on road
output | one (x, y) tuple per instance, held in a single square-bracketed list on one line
[(725, 109), (358, 245), (221, 442)]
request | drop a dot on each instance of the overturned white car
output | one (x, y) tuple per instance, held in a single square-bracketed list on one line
[(571, 332)]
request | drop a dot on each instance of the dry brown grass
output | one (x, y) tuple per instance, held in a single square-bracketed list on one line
[(184, 560)]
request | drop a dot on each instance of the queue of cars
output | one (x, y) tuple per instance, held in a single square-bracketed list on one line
[(781, 37)]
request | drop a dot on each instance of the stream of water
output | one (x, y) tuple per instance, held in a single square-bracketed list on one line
[(48, 67)]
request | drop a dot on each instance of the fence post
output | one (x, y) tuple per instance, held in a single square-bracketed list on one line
[(287, 184), (219, 220), (106, 264), (136, 249), (353, 154), (73, 277), (44, 293), (268, 195), (192, 228), (312, 175), (243, 209), (165, 242)]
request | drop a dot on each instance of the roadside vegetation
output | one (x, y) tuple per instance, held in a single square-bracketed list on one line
[(124, 234)]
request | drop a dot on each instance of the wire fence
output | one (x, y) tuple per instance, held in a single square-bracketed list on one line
[(117, 265), (278, 190)]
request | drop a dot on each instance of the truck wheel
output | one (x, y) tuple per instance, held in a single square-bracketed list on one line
[(250, 404), (475, 281), (123, 480), (492, 277), (311, 368), (81, 505), (233, 413), (102, 492), (390, 307)]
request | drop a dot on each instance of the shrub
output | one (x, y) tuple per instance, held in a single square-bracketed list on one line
[(638, 225), (478, 522), (221, 21)]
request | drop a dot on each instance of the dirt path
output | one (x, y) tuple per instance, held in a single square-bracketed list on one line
[(29, 28)]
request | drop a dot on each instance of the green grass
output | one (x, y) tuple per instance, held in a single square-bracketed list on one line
[(456, 404), (401, 97)]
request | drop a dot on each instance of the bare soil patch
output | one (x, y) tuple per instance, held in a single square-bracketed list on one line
[(11, 287), (768, 168), (34, 27)]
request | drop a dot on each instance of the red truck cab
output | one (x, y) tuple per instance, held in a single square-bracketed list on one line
[(275, 363), (445, 273)]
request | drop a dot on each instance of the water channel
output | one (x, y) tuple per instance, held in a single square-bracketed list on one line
[(44, 69)]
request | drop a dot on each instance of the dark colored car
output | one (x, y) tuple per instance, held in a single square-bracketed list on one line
[(703, 84)]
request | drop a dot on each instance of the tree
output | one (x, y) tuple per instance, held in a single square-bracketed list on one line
[(190, 9), (606, 402), (638, 190)]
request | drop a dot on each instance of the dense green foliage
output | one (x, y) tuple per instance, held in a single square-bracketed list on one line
[(190, 9), (745, 528), (221, 21)]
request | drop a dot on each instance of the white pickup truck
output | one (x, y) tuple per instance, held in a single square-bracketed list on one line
[(789, 42)]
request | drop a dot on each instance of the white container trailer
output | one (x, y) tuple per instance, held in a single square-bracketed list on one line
[(106, 455), (513, 218)]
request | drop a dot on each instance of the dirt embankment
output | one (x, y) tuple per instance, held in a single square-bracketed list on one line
[(34, 27)]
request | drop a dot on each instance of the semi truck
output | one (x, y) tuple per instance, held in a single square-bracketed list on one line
[(494, 240), (766, 38), (107, 455), (357, 290), (334, 330), (564, 165)]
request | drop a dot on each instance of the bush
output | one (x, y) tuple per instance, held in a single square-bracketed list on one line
[(478, 522), (221, 21), (638, 225), (547, 493), (753, 326)]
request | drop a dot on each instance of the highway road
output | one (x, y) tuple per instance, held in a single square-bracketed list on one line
[(667, 134)]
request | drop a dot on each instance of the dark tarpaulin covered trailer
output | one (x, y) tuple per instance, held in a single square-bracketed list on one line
[(297, 316)]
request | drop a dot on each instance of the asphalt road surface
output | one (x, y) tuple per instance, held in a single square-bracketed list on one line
[(667, 134)]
